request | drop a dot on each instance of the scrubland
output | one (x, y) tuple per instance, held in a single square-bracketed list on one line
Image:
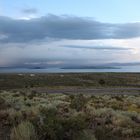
[(29, 115), (12, 81)]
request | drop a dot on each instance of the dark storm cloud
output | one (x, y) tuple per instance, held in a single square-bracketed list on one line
[(96, 47), (64, 27), (30, 11)]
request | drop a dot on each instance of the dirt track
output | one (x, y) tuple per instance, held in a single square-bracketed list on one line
[(93, 91)]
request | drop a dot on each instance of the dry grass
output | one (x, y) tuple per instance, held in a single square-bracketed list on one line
[(24, 131)]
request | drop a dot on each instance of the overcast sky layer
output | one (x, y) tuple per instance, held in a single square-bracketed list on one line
[(60, 33)]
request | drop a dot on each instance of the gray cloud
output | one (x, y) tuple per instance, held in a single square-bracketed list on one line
[(63, 27), (30, 11), (47, 63), (96, 47)]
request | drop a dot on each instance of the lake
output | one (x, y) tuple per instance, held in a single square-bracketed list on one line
[(58, 70)]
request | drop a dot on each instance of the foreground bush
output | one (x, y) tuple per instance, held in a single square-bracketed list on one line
[(84, 135), (55, 127), (70, 117), (78, 102)]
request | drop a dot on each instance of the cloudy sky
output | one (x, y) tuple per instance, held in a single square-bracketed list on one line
[(60, 33)]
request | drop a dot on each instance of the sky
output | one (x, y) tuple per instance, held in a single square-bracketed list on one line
[(54, 33)]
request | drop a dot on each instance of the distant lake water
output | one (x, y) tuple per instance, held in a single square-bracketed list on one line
[(58, 70)]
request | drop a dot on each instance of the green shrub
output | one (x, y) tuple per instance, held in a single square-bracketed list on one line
[(49, 126), (102, 82), (84, 135), (75, 123), (54, 127), (105, 133), (136, 131), (3, 104), (78, 102)]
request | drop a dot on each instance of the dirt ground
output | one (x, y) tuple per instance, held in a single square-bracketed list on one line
[(93, 91)]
